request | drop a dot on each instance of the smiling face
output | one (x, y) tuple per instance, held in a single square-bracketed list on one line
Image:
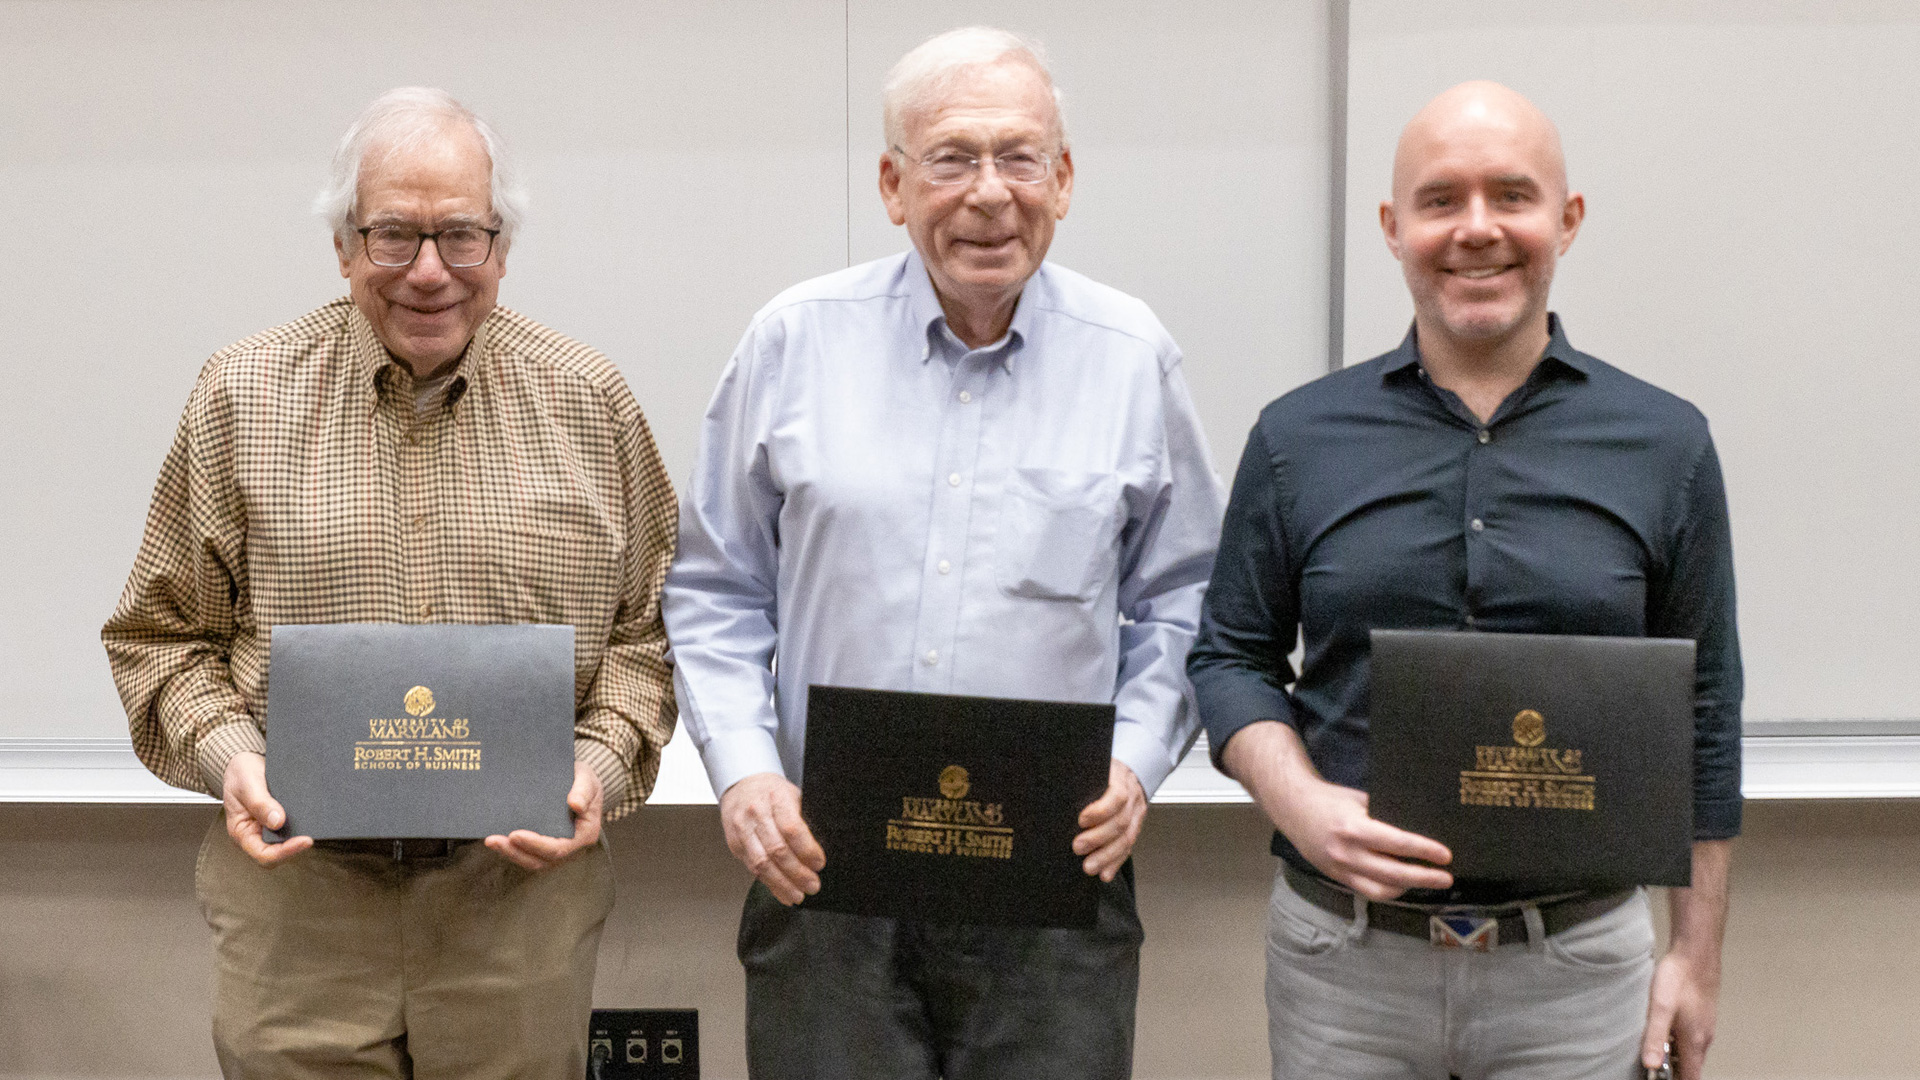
[(426, 312), (982, 240), (1480, 216)]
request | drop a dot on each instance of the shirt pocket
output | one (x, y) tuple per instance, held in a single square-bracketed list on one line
[(1056, 538), (549, 573)]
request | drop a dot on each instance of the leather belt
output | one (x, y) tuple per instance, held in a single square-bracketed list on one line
[(407, 849), (1416, 921)]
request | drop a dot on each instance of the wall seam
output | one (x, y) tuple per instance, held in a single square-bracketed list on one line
[(846, 110), (1339, 39)]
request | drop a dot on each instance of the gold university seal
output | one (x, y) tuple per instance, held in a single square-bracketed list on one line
[(953, 782), (1529, 728), (419, 701)]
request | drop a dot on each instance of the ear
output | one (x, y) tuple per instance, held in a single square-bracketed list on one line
[(1390, 227), (1571, 216), (1063, 176), (890, 181), (346, 260)]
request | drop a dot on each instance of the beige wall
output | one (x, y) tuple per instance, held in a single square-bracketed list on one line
[(105, 965), (1748, 172)]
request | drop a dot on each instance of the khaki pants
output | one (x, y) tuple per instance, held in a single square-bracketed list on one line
[(347, 965)]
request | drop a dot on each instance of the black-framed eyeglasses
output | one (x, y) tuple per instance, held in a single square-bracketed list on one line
[(399, 245)]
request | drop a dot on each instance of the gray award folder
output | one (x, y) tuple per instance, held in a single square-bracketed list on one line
[(378, 730), (1545, 762), (946, 808)]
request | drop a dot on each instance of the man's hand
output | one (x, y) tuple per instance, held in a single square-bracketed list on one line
[(761, 816), (1685, 998), (1110, 824), (243, 790), (531, 851), (1329, 823)]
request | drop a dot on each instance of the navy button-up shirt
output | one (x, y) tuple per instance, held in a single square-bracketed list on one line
[(1591, 503)]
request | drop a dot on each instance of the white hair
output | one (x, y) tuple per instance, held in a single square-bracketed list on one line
[(402, 120), (938, 63)]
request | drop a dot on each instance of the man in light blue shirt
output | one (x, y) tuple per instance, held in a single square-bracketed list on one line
[(958, 470)]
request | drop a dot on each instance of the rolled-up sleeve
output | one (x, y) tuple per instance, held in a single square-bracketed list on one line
[(1694, 599), (1239, 665)]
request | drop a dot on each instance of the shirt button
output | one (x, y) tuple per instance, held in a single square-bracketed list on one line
[(965, 397), (413, 438), (932, 657), (426, 610), (1477, 525), (946, 567), (1484, 436), (1469, 620), (419, 523), (953, 479)]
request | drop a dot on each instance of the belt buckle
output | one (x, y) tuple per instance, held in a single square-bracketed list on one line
[(1458, 930)]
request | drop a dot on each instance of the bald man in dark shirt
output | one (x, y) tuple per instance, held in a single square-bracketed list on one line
[(1484, 475)]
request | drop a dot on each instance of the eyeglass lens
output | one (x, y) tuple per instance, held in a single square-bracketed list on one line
[(392, 246), (1015, 166)]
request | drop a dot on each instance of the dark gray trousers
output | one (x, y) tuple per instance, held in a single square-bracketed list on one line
[(849, 997)]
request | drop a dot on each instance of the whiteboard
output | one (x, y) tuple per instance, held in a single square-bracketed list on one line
[(686, 162), (1750, 244)]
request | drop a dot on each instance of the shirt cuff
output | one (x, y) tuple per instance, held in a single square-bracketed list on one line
[(606, 764), (217, 745), (740, 754), (1227, 705), (1136, 748), (1717, 819)]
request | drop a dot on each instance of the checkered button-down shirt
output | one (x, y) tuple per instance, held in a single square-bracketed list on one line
[(304, 487)]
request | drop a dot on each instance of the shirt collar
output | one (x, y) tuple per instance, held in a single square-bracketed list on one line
[(924, 306), (370, 358), (1407, 355), (1558, 349)]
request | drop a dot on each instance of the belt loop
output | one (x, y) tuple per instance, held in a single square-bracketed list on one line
[(1359, 928), (1536, 928), (399, 851)]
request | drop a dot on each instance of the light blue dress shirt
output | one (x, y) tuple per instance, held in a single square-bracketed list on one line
[(876, 505)]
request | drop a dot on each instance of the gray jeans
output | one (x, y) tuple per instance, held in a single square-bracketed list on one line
[(1356, 1004)]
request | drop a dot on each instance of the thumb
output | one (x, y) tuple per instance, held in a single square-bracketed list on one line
[(1653, 1044), (264, 809)]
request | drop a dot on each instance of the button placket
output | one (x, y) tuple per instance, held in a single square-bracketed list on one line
[(423, 460), (1474, 499), (955, 458)]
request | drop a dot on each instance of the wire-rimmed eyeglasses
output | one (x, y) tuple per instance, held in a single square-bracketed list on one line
[(949, 165)]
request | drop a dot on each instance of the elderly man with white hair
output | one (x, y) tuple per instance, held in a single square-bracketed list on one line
[(412, 453), (957, 470)]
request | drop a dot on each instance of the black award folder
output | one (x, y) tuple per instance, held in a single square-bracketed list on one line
[(1545, 762), (953, 809), (379, 730)]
